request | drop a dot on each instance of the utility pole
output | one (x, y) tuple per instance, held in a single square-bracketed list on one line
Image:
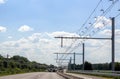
[(74, 61), (61, 42), (7, 60), (69, 65), (7, 56), (113, 43), (83, 55)]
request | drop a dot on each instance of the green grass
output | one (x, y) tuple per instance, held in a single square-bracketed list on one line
[(17, 71)]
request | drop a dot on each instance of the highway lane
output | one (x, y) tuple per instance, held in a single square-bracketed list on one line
[(35, 75)]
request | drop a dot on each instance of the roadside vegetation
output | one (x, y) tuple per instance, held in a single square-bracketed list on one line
[(90, 66), (18, 64)]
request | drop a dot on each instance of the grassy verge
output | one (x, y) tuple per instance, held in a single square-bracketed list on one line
[(17, 71)]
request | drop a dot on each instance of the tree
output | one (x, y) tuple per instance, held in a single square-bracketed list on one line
[(18, 64), (20, 59), (117, 66), (5, 64), (87, 66), (1, 57)]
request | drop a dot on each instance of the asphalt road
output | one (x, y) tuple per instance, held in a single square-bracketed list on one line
[(36, 75)]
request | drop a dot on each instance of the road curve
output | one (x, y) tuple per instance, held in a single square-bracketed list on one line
[(35, 75)]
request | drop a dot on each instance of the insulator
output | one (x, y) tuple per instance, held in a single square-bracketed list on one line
[(90, 23), (86, 28), (103, 23), (93, 31), (95, 17), (82, 31), (102, 10)]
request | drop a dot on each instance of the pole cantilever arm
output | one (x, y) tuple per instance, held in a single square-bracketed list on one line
[(80, 38)]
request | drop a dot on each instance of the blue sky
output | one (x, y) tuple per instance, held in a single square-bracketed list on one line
[(55, 15), (30, 25)]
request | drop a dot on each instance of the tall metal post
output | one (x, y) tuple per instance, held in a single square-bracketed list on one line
[(113, 44), (7, 56), (70, 63), (83, 55), (57, 58), (74, 62), (61, 42)]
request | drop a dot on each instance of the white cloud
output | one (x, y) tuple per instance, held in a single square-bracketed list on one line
[(35, 47), (117, 31), (41, 47), (10, 37), (108, 32), (3, 29), (2, 1), (25, 28), (62, 33), (35, 37), (100, 54), (101, 22)]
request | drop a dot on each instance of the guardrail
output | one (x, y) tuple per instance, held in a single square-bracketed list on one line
[(100, 73)]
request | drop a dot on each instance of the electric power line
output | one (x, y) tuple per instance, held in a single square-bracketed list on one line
[(103, 14)]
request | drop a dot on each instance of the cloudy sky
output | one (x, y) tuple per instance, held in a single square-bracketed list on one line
[(28, 28)]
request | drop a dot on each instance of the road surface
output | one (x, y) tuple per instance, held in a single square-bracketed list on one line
[(36, 75)]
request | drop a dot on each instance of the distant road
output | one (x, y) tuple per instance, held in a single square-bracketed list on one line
[(36, 75)]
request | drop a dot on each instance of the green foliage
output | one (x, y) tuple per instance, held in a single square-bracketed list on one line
[(117, 66), (106, 66), (77, 67), (87, 66), (1, 57), (20, 59), (19, 64), (99, 66)]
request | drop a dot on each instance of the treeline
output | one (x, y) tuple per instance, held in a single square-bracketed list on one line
[(19, 64), (90, 66)]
